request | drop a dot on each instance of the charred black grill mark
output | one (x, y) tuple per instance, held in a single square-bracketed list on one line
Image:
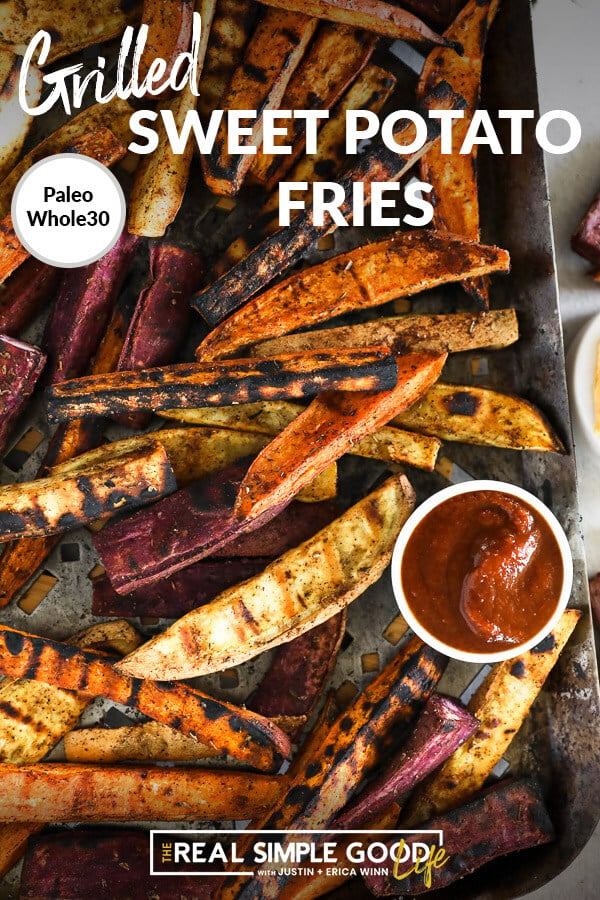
[(256, 72), (12, 523), (517, 670), (549, 643), (461, 403), (14, 642)]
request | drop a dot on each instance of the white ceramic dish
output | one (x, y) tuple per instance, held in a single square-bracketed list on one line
[(581, 366), (463, 488)]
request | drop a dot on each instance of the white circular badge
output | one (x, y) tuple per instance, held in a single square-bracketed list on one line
[(68, 210)]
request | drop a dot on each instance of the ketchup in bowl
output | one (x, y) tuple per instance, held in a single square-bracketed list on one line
[(482, 571)]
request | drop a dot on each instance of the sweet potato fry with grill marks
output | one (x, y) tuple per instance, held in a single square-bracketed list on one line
[(370, 91), (326, 429), (477, 415), (504, 818), (82, 310), (100, 144), (372, 15), (142, 548), (270, 417), (229, 33), (440, 11), (246, 736), (35, 716), (259, 83), (334, 58), (449, 333), (359, 739), (180, 593), (72, 26), (442, 727), (298, 591), (20, 367), (169, 33), (56, 503), (162, 176), (501, 704), (454, 176), (21, 559), (162, 314), (223, 383), (68, 139), (115, 861), (147, 742), (25, 294), (286, 247), (294, 682), (586, 239), (14, 120), (76, 793), (405, 264)]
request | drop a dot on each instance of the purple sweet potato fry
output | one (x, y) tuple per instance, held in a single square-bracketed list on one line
[(296, 679), (502, 819), (20, 367), (586, 239), (162, 315), (442, 727), (294, 524), (84, 304), (103, 863), (25, 294), (595, 598), (195, 521), (181, 592)]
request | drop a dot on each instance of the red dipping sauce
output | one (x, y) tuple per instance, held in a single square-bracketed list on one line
[(482, 572)]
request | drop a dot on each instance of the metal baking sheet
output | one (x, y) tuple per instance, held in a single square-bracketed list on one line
[(560, 739)]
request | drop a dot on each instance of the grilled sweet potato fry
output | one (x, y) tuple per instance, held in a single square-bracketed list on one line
[(115, 862), (21, 559), (358, 740), (326, 429), (72, 27), (295, 681), (301, 589), (148, 742), (216, 384), (270, 417), (180, 593), (477, 415), (56, 504), (501, 705), (259, 83), (372, 15), (161, 178), (35, 718), (14, 121), (141, 549), (246, 736), (69, 792), (229, 33), (20, 367), (82, 310), (89, 125), (25, 294), (405, 264), (441, 728), (169, 32), (440, 11), (101, 145), (162, 314), (586, 239), (370, 91), (286, 247), (334, 58), (454, 176), (449, 333), (505, 818)]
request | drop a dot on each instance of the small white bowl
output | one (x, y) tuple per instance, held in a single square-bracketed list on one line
[(581, 366), (464, 488)]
